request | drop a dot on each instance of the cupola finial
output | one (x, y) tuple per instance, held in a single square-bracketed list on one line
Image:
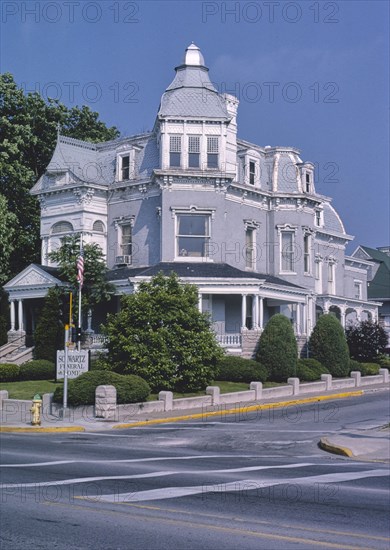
[(193, 56)]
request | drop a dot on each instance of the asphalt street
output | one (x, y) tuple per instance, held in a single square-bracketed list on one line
[(248, 481)]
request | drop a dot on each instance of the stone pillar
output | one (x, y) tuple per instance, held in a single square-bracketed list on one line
[(200, 299), (105, 402), (12, 310), (261, 312), (243, 312), (20, 315), (214, 391), (167, 398)]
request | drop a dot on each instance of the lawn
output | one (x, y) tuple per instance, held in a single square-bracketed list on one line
[(26, 389)]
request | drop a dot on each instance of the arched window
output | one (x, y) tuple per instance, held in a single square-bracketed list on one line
[(98, 226), (62, 227)]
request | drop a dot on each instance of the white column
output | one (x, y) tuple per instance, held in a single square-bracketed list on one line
[(342, 316), (298, 319), (20, 315), (261, 312), (255, 312), (200, 299), (12, 308), (304, 314), (243, 312)]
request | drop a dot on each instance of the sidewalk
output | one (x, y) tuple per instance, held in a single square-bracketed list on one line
[(370, 444)]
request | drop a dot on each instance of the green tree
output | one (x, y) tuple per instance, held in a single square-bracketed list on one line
[(328, 345), (28, 133), (161, 335), (96, 288), (277, 349), (366, 341), (49, 333), (8, 222)]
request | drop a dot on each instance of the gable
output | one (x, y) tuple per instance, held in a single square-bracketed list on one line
[(32, 276)]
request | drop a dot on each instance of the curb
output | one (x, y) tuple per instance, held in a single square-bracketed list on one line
[(237, 410), (335, 449), (195, 416), (15, 429)]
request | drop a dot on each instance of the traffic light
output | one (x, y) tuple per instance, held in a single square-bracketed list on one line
[(78, 334)]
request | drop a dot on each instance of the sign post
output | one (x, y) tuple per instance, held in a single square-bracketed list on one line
[(65, 403)]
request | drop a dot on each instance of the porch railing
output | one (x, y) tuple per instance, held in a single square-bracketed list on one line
[(233, 340)]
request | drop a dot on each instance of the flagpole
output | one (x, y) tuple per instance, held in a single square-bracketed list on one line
[(80, 285)]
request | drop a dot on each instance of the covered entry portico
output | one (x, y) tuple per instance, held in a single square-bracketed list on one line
[(239, 310)]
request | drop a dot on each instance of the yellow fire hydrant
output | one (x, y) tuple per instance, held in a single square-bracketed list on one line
[(36, 410)]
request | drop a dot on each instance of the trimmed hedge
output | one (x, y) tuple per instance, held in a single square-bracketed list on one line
[(309, 370), (38, 369), (81, 391), (9, 372), (384, 362), (239, 369), (366, 369)]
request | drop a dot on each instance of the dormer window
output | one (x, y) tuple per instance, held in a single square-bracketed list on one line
[(125, 168), (193, 151), (125, 165), (212, 152), (175, 151), (308, 182), (318, 218), (252, 172)]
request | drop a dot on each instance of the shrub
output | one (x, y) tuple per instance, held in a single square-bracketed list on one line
[(366, 340), (239, 369), (309, 370), (384, 362), (161, 335), (9, 372), (366, 369), (328, 345), (39, 369), (81, 390), (278, 350), (354, 365), (3, 330)]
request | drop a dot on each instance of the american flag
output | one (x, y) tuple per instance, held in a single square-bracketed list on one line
[(80, 268)]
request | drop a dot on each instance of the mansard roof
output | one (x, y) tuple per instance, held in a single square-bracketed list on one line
[(332, 220), (191, 93)]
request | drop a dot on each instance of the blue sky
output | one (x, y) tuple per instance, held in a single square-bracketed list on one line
[(309, 74)]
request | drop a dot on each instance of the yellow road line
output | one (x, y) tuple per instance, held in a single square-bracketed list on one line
[(11, 429), (238, 410)]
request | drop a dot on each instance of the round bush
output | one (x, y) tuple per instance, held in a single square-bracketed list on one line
[(9, 372), (278, 350), (81, 391), (309, 370), (239, 369), (39, 369), (329, 346)]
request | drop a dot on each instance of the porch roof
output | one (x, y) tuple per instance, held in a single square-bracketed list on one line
[(196, 270)]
